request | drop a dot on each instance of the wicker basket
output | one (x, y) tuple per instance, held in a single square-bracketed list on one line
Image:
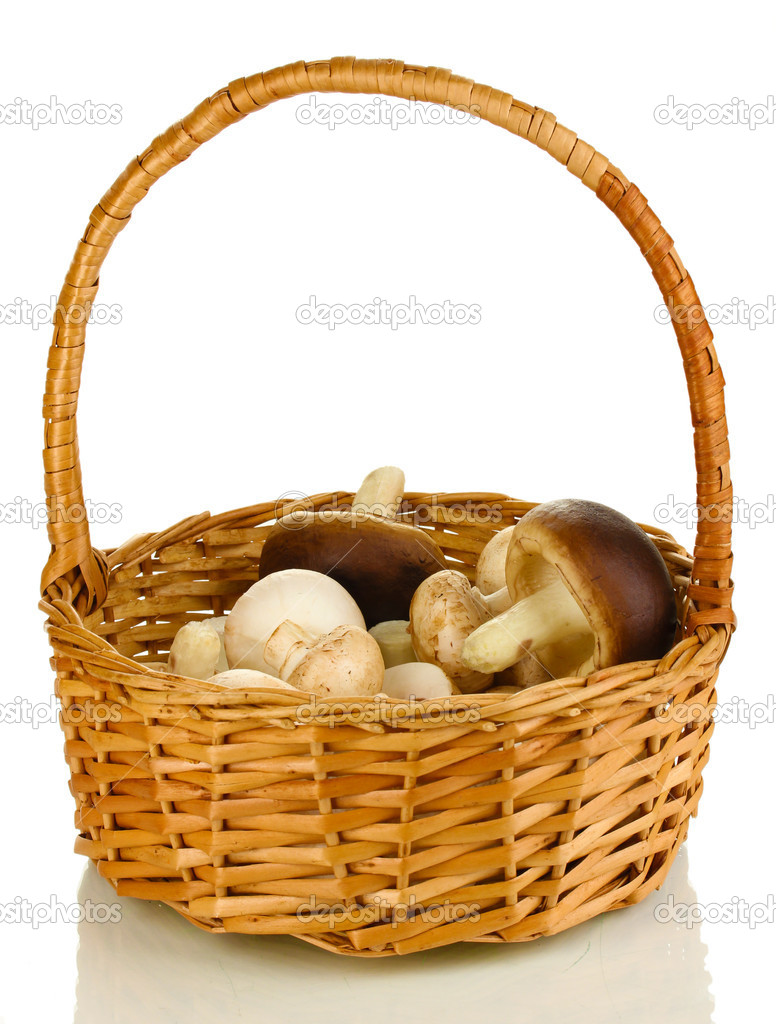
[(508, 818)]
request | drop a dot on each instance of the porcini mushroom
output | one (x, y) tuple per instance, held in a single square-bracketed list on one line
[(417, 680), (393, 638), (378, 560), (443, 612), (315, 602), (581, 575), (345, 662), (195, 650)]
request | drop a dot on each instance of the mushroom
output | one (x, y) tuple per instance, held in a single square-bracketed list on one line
[(378, 560), (345, 662), (316, 602), (417, 680), (587, 584), (195, 650), (218, 623), (249, 679), (490, 572), (395, 642), (444, 611)]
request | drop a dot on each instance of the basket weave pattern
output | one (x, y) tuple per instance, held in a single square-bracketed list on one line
[(536, 810)]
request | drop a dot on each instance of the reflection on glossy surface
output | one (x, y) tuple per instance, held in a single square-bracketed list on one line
[(622, 966)]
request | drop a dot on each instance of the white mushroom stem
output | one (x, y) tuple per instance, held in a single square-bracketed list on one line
[(417, 681), (195, 651), (497, 602), (395, 643), (546, 617), (380, 493), (286, 647)]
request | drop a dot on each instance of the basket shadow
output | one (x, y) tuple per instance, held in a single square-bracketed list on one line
[(623, 965)]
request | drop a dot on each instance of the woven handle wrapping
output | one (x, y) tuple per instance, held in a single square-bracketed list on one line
[(72, 554)]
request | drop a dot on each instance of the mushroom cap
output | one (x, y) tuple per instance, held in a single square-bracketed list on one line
[(609, 565), (379, 561), (444, 611), (417, 679), (318, 603), (345, 663)]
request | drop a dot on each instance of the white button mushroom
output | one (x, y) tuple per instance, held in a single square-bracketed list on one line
[(345, 662), (417, 680), (195, 651), (395, 642), (315, 601), (444, 611)]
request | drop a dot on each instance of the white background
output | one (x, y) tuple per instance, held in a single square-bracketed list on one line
[(210, 395)]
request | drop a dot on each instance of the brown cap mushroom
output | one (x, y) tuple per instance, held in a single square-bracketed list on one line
[(379, 561), (579, 569)]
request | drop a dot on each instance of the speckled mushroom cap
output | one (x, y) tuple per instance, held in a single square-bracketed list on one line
[(610, 566)]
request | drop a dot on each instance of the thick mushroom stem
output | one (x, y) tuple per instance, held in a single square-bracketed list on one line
[(395, 643), (497, 602), (380, 493), (287, 647), (545, 617)]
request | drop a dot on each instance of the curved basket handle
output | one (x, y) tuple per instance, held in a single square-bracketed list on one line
[(72, 556)]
